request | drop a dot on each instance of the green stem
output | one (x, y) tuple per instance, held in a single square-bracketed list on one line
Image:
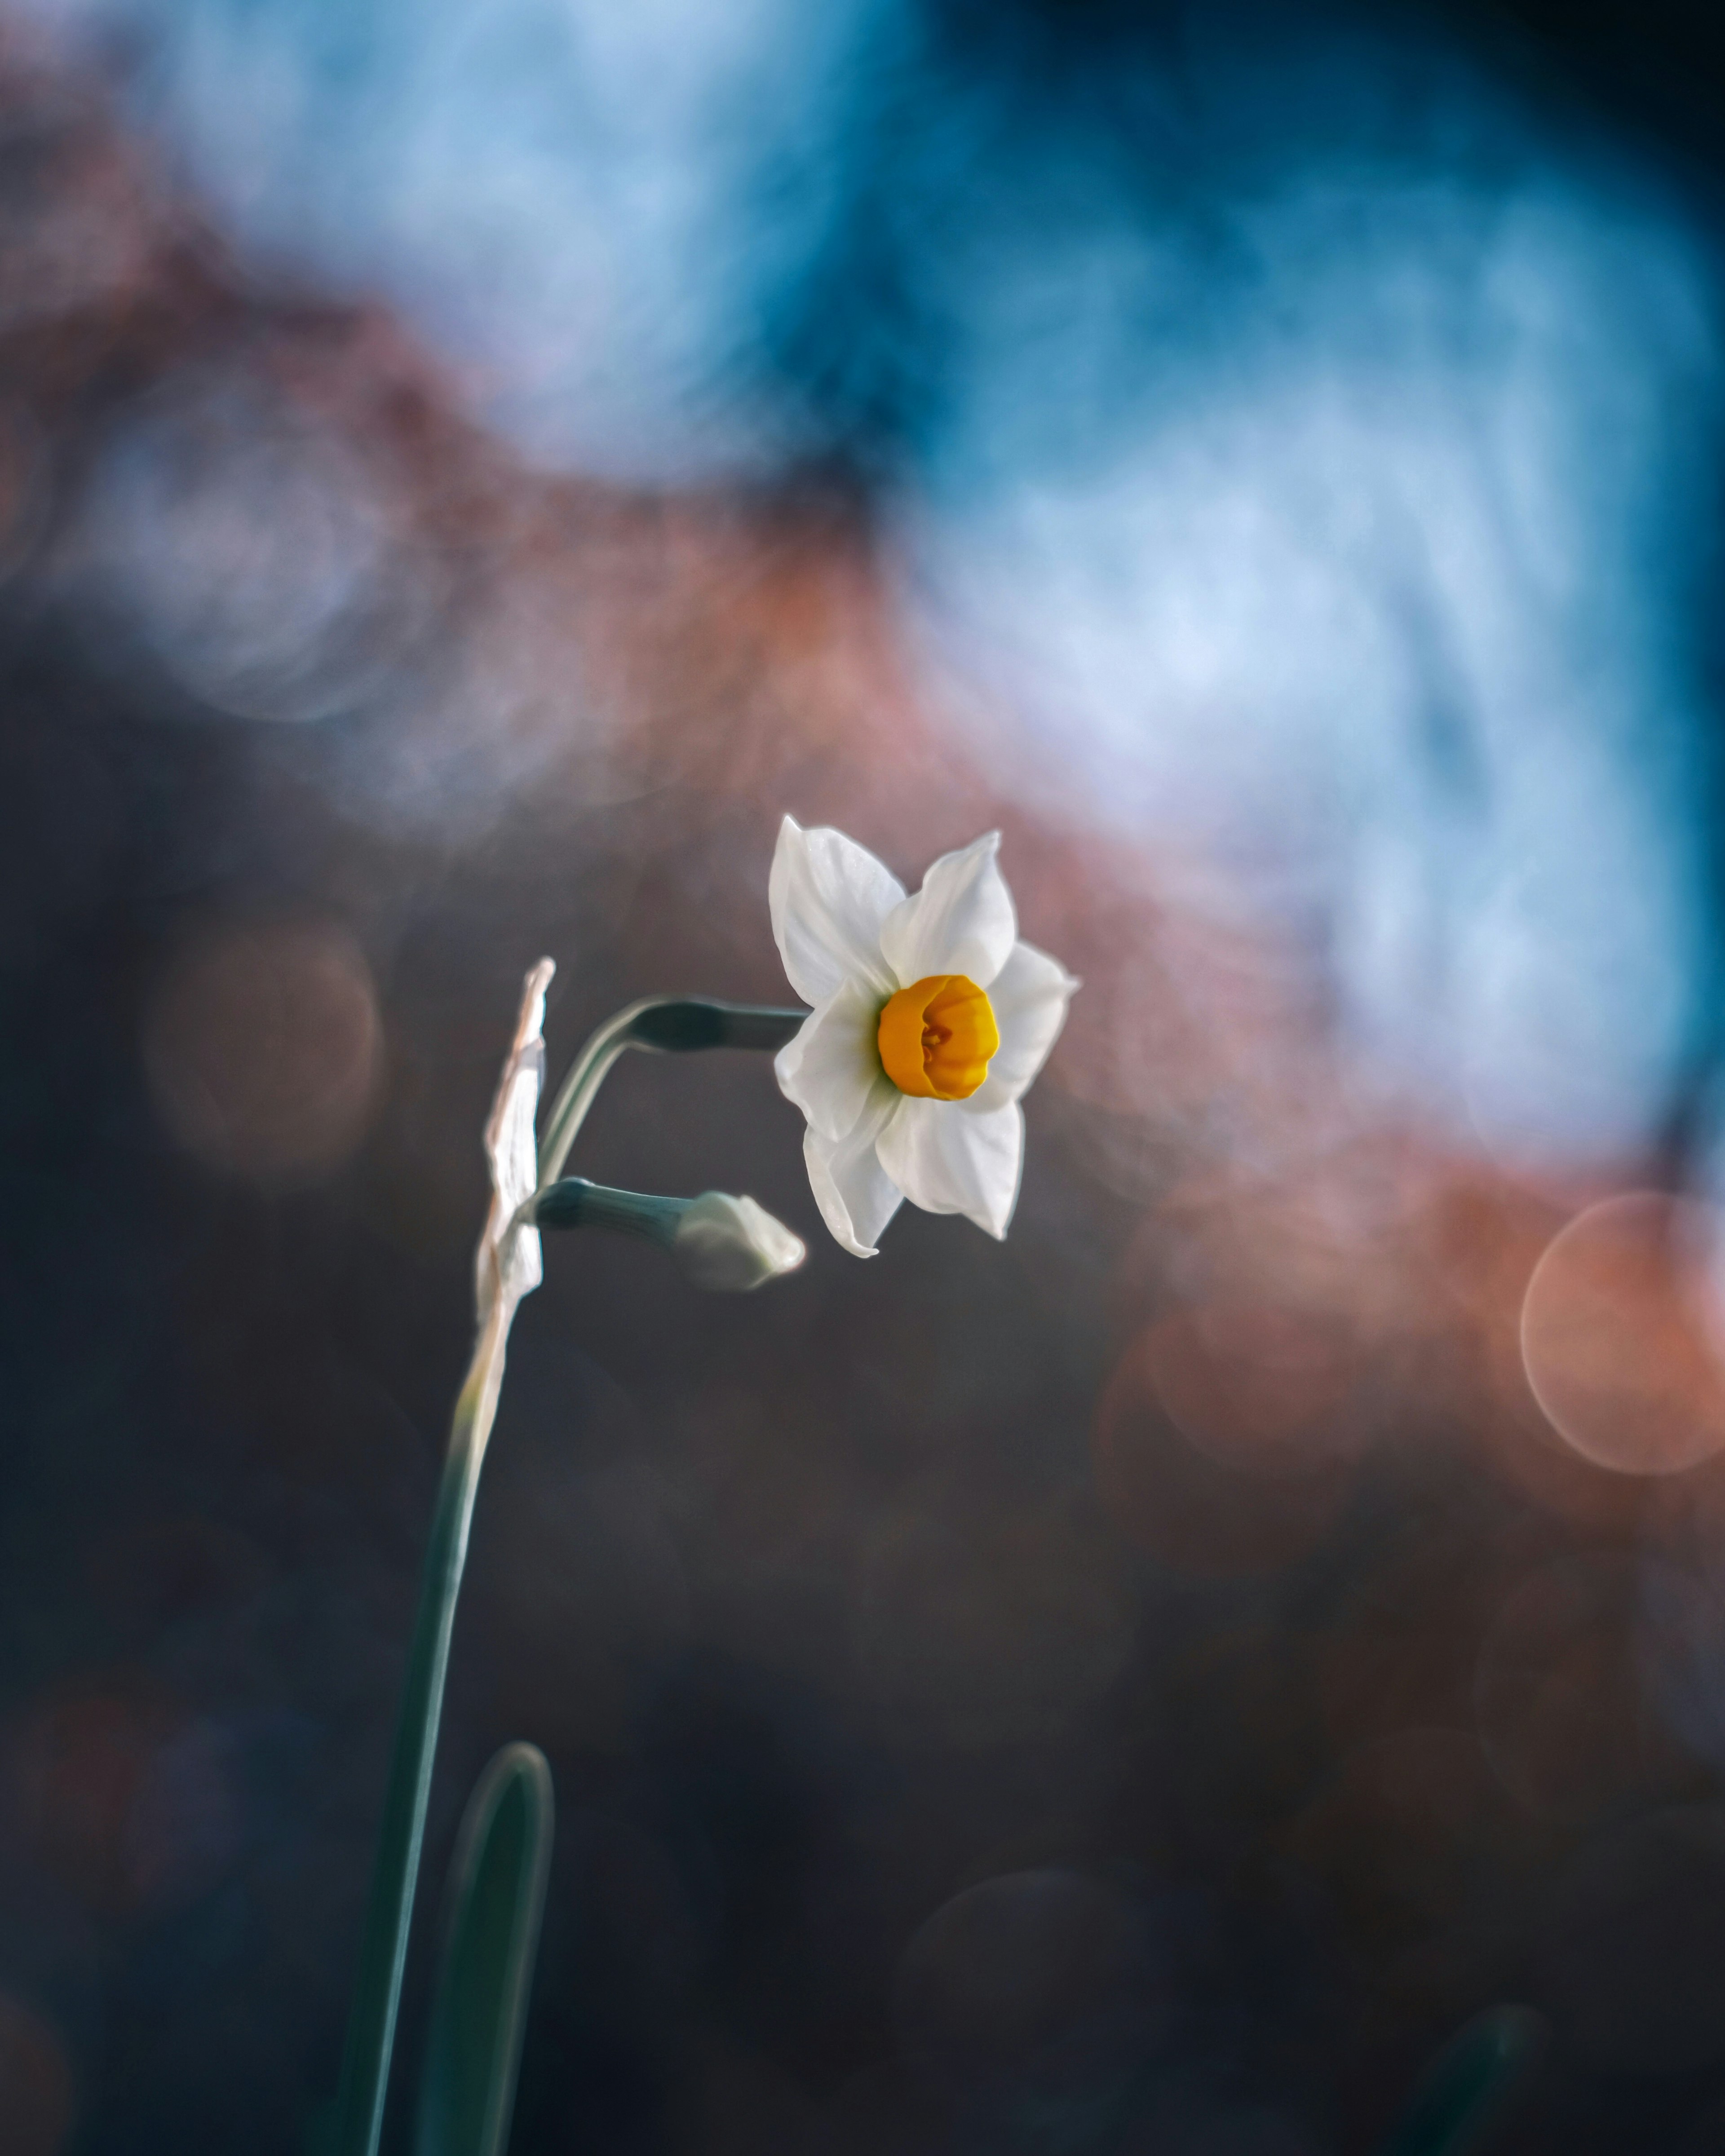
[(576, 1096), (576, 1203), (663, 1022), (370, 2029), (671, 1025)]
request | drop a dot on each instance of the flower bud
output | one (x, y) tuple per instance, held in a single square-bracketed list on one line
[(732, 1244)]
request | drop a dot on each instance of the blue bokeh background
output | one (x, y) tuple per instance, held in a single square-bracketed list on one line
[(1301, 428)]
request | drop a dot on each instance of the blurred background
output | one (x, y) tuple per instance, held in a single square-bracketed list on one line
[(464, 472)]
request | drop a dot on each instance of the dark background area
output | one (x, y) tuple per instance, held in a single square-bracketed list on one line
[(1141, 1686)]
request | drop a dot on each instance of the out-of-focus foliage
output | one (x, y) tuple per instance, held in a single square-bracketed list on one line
[(485, 1979)]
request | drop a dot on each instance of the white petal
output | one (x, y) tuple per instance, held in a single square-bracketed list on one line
[(960, 922), (947, 1161), (832, 1064), (855, 1195), (828, 897), (1029, 997)]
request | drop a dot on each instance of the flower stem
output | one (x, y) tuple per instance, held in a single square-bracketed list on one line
[(371, 2028), (575, 1203), (664, 1023), (672, 1024)]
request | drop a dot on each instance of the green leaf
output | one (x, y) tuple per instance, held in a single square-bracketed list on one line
[(1466, 2093), (497, 1897)]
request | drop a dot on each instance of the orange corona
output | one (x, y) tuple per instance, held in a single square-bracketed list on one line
[(936, 1037)]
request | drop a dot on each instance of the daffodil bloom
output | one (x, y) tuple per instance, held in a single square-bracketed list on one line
[(930, 1018)]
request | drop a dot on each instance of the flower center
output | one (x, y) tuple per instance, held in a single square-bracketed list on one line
[(936, 1037)]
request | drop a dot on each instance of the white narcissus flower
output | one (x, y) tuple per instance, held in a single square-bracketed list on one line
[(930, 1018)]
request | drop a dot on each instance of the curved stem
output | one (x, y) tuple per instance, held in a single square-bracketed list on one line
[(671, 1025), (580, 1089)]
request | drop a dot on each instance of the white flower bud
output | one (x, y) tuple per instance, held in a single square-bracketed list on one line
[(732, 1244)]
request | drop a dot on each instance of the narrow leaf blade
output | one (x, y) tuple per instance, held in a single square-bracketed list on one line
[(1468, 2089), (497, 1884)]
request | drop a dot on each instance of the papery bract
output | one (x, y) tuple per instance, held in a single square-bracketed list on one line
[(508, 1262)]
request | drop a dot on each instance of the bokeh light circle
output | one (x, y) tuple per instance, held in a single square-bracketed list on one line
[(1253, 1385), (254, 551), (1195, 1507), (264, 1049), (1616, 1335)]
